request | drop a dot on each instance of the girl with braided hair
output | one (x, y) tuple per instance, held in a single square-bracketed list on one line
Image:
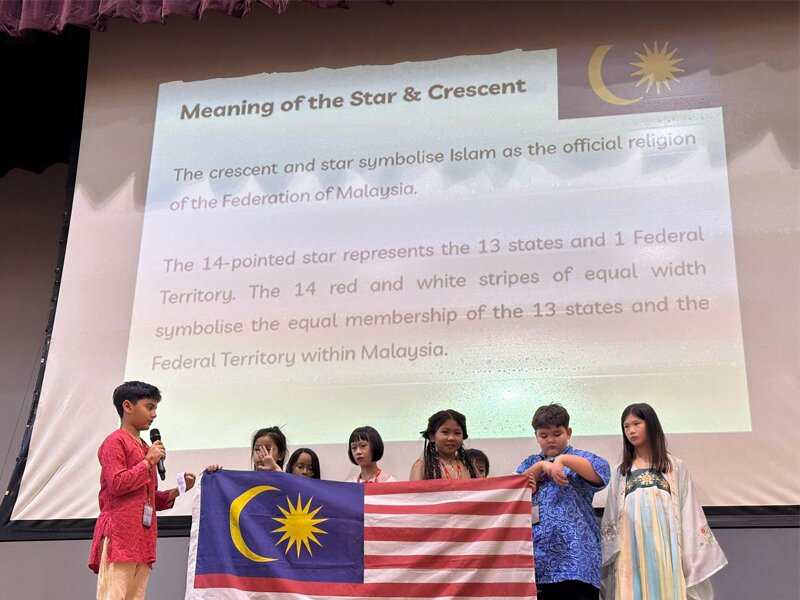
[(444, 456)]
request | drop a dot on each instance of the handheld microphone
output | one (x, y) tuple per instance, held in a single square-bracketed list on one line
[(155, 436)]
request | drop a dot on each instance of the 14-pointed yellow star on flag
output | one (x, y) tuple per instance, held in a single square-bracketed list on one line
[(299, 525)]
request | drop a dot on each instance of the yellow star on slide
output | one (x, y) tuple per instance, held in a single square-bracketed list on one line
[(656, 66)]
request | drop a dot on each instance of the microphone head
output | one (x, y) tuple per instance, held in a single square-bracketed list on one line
[(155, 435)]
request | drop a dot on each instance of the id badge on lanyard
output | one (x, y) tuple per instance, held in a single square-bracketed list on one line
[(147, 515), (534, 511)]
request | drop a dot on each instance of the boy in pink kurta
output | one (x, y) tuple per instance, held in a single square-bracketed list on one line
[(124, 542)]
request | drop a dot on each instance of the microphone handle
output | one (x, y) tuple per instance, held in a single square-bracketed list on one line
[(162, 471)]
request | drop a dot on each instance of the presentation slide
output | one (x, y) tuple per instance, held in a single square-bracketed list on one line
[(372, 244)]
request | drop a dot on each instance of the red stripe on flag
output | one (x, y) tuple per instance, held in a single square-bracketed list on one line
[(437, 562), (365, 590), (509, 482), (427, 534), (518, 507)]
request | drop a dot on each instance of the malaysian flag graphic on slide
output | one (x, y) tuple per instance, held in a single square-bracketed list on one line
[(279, 536), (647, 76)]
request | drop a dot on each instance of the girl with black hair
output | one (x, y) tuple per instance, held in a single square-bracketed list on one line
[(305, 463), (268, 449), (655, 539), (443, 456), (364, 450), (480, 461)]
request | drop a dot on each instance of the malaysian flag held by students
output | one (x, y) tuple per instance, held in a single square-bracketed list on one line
[(279, 536)]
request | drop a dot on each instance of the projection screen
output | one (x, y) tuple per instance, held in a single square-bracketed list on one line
[(322, 248)]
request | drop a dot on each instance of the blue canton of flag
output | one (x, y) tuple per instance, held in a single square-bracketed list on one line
[(274, 525)]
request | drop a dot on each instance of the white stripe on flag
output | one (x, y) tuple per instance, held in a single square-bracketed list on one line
[(428, 498), (447, 548), (447, 521), (446, 576)]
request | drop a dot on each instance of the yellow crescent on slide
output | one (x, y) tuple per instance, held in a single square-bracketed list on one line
[(237, 506), (596, 79)]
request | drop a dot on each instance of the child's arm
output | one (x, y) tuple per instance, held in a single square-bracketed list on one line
[(119, 479), (535, 471), (578, 464), (165, 499)]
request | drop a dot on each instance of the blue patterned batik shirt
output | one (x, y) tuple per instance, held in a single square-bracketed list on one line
[(567, 537)]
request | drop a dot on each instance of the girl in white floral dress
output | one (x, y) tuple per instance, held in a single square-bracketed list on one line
[(656, 542)]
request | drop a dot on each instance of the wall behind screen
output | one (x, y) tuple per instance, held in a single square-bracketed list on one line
[(758, 71), (32, 207)]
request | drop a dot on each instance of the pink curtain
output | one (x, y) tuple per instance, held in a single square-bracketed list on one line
[(52, 16)]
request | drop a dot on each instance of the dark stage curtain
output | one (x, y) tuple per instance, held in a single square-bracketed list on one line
[(45, 74), (52, 16)]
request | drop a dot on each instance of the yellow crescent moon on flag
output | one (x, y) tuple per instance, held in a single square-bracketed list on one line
[(596, 79), (237, 506)]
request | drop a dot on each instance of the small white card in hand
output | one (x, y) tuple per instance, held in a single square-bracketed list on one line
[(181, 484)]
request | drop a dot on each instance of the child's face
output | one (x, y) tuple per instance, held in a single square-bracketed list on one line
[(553, 440), (140, 415), (635, 430), (480, 467), (303, 467), (448, 438), (362, 452), (268, 446)]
